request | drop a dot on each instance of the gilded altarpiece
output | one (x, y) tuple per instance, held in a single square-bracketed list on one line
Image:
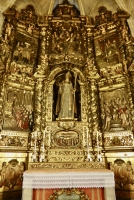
[(66, 92)]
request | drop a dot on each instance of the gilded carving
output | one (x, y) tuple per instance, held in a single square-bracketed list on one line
[(122, 138), (71, 193), (13, 138), (65, 156), (68, 165), (66, 139), (66, 125), (123, 172)]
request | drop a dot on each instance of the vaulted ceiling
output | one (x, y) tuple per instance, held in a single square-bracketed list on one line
[(86, 7)]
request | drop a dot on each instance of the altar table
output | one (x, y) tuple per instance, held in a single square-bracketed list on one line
[(49, 179)]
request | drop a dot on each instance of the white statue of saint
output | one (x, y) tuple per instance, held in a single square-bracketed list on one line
[(66, 107)]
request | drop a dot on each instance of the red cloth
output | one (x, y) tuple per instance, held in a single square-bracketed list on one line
[(93, 193)]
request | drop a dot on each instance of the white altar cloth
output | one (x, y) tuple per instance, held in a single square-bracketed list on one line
[(68, 178)]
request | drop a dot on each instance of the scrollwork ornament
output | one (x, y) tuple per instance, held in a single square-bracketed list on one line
[(66, 125)]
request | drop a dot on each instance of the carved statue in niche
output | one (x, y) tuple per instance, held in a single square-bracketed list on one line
[(67, 99), (65, 107)]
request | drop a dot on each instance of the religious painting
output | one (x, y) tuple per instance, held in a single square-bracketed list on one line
[(18, 110), (107, 52), (25, 50), (12, 174), (115, 109)]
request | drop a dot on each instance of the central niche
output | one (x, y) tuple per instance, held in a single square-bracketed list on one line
[(66, 97)]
